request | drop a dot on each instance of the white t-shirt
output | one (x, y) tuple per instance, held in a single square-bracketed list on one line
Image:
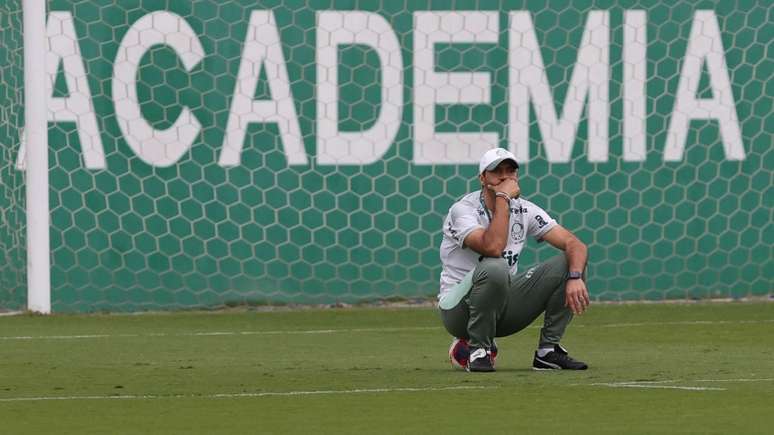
[(470, 213)]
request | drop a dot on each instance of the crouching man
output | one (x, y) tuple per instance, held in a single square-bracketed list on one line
[(481, 295)]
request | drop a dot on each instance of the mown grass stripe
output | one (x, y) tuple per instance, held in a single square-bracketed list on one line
[(357, 330)]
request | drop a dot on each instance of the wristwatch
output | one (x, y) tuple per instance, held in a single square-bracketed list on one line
[(574, 275)]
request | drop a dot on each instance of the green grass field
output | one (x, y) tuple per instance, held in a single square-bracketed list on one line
[(703, 368)]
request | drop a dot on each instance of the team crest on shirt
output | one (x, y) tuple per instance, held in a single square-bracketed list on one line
[(517, 232)]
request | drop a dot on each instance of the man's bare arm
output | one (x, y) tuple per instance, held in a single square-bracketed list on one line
[(490, 242), (576, 294), (575, 250)]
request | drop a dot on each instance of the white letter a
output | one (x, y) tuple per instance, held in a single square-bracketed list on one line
[(704, 45), (262, 49)]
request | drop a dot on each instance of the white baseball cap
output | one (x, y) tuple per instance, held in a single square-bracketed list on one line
[(494, 157)]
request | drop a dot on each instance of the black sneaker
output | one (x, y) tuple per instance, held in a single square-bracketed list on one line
[(557, 360), (480, 361)]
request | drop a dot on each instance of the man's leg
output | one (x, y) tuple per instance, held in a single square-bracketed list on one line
[(475, 317), (540, 289), (486, 300)]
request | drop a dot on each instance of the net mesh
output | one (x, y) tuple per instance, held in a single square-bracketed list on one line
[(224, 185), (12, 251)]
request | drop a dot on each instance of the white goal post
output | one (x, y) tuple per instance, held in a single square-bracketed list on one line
[(36, 133)]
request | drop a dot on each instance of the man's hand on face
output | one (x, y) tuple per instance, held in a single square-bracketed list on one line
[(510, 186)]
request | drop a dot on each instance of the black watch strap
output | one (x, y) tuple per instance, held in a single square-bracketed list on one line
[(574, 275)]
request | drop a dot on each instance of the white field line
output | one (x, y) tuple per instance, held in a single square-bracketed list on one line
[(242, 395), (629, 384), (221, 333), (664, 387), (735, 380), (684, 322), (358, 330), (64, 337), (316, 331), (660, 384)]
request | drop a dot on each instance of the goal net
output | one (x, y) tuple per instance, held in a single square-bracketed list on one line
[(12, 218)]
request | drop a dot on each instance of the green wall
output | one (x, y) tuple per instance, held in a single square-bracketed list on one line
[(134, 236)]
